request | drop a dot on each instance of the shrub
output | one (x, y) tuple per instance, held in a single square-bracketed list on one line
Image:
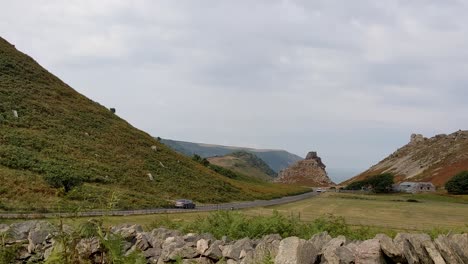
[(236, 225), (381, 183), (458, 184), (65, 181)]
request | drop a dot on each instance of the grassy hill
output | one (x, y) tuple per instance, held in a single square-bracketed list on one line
[(436, 159), (63, 148), (276, 159), (245, 163)]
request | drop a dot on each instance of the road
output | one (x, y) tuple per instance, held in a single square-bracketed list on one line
[(204, 208)]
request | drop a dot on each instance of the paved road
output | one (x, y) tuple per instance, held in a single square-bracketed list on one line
[(205, 208)]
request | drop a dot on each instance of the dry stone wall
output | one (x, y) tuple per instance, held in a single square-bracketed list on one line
[(35, 240)]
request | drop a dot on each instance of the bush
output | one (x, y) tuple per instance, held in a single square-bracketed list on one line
[(236, 225), (65, 181), (458, 184), (381, 183)]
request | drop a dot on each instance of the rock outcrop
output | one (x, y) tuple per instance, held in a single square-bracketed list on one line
[(434, 159), (310, 172), (35, 242)]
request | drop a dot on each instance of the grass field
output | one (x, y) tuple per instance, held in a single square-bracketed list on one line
[(387, 212)]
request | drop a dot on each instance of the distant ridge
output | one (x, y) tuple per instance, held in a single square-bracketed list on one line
[(435, 159), (246, 163), (277, 159)]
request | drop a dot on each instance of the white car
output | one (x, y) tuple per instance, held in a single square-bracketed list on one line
[(320, 190)]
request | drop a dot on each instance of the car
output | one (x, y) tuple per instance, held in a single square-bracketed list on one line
[(320, 190), (184, 203)]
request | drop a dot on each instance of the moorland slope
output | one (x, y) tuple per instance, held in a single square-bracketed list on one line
[(245, 163), (436, 159), (58, 147), (275, 158)]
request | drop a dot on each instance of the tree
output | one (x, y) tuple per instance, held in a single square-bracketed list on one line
[(379, 183), (458, 184), (65, 181), (201, 160)]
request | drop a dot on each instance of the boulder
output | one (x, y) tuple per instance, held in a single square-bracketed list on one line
[(233, 251), (87, 247), (214, 251), (203, 245), (200, 260), (127, 231), (433, 253), (20, 231), (153, 253), (157, 237), (459, 244), (191, 237), (36, 238), (176, 247), (389, 248), (443, 245), (368, 252), (328, 252), (267, 248), (293, 250), (412, 247), (320, 240), (142, 241), (347, 253)]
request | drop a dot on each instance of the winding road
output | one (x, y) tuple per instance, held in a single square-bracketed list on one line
[(204, 208)]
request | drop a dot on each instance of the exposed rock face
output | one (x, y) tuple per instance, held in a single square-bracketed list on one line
[(435, 159), (310, 172)]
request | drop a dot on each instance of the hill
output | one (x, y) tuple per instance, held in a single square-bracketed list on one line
[(434, 159), (245, 163), (308, 172), (59, 148), (276, 159)]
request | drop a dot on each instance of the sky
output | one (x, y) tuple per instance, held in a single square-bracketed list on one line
[(349, 79)]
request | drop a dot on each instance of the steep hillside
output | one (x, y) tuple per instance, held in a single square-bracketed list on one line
[(308, 172), (434, 159), (245, 163), (276, 159), (59, 147)]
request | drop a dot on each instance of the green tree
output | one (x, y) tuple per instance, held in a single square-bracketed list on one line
[(380, 183), (65, 181), (458, 184)]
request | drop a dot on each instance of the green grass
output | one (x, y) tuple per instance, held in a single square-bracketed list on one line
[(358, 216), (382, 211), (62, 134)]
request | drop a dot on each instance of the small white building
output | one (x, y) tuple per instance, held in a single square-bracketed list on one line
[(414, 187)]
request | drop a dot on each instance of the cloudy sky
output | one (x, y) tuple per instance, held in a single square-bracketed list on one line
[(350, 79)]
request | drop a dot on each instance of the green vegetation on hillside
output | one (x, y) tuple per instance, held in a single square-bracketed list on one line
[(458, 184), (254, 161), (381, 183), (276, 159), (64, 150), (245, 163)]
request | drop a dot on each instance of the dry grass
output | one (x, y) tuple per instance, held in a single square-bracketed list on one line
[(386, 211)]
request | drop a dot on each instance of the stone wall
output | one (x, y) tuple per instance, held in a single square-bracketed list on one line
[(34, 241)]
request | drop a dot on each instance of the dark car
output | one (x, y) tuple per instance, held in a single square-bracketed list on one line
[(184, 203)]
